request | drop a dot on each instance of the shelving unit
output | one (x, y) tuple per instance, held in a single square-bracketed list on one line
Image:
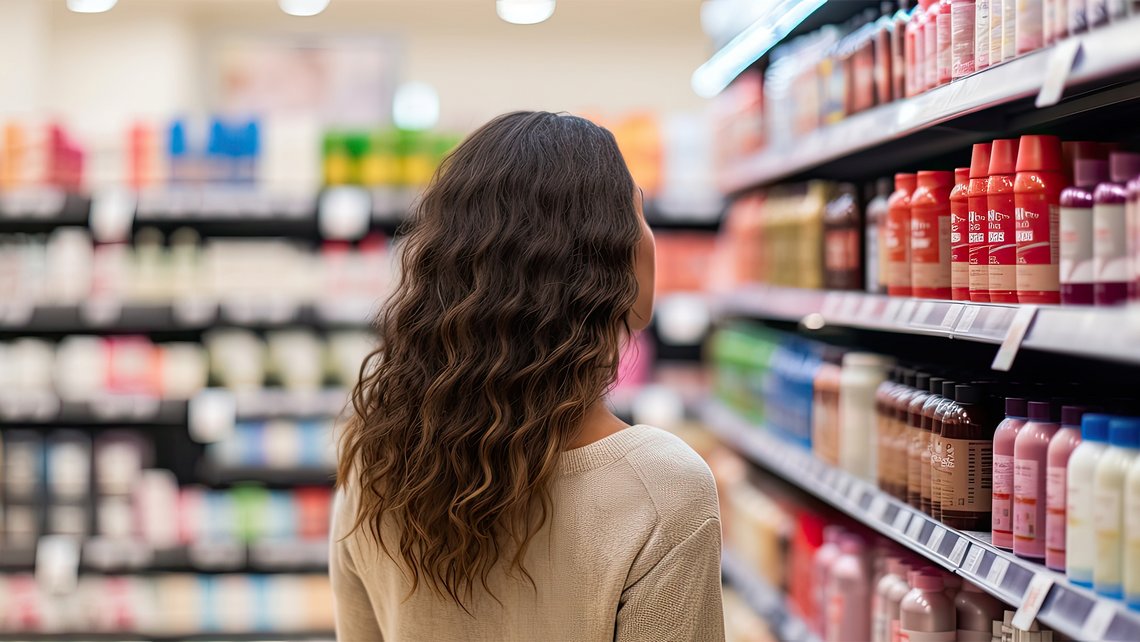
[(262, 636), (764, 599), (1072, 610), (108, 557), (1079, 331), (951, 117)]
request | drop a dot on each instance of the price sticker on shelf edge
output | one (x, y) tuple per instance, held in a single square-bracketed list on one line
[(935, 540), (855, 492), (892, 310), (1057, 72), (906, 312), (915, 528), (878, 507), (1022, 320), (1098, 621), (973, 559), (1031, 603), (966, 319), (997, 571), (959, 551), (902, 518)]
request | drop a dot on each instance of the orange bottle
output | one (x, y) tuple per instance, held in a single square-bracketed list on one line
[(1037, 206), (1000, 222), (930, 235), (959, 236), (896, 236), (979, 249)]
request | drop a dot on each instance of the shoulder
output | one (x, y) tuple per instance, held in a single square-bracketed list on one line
[(676, 478)]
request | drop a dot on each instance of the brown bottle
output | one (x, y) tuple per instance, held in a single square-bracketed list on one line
[(927, 424), (937, 448), (843, 241), (916, 439), (897, 448), (967, 460), (884, 426)]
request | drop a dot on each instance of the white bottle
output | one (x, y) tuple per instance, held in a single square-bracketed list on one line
[(1108, 497), (1080, 537), (848, 613), (860, 378), (895, 576), (1132, 536)]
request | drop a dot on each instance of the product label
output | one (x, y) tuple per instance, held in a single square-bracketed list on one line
[(981, 34), (979, 249), (1003, 247), (1008, 29), (930, 246), (1076, 230), (1079, 526), (1110, 244), (961, 39), (914, 462), (937, 453), (897, 241), (841, 250), (1055, 477), (1003, 494), (929, 636), (959, 245), (1038, 243), (1132, 543), (1026, 499), (967, 476), (1107, 521), (930, 55), (896, 631), (944, 47), (996, 13)]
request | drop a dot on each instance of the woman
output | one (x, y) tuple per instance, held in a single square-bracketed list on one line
[(486, 491)]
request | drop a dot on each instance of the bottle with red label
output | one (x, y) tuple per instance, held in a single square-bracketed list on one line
[(1037, 214), (842, 241), (896, 236), (1076, 231), (959, 236), (930, 235), (979, 249), (1001, 225), (930, 48)]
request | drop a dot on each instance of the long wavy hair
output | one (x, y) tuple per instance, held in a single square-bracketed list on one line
[(517, 281)]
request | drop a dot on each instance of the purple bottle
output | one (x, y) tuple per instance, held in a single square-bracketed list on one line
[(1110, 244), (1077, 231)]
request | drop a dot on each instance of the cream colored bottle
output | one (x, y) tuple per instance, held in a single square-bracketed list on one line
[(1108, 497)]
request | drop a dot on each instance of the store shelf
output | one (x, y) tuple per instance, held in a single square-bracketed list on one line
[(1104, 53), (113, 557), (764, 599), (1111, 334), (272, 477), (1072, 610)]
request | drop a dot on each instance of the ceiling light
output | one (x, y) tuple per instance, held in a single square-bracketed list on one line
[(415, 106), (303, 8), (524, 12), (90, 6)]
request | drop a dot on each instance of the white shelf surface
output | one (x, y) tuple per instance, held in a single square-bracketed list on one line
[(765, 599), (1111, 334), (1067, 608), (1104, 52)]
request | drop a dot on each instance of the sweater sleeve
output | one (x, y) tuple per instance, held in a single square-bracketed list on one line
[(679, 598), (355, 620)]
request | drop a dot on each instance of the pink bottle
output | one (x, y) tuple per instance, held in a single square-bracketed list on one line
[(1030, 466), (1077, 231), (849, 593), (1110, 245), (926, 613), (1004, 438), (825, 556), (1056, 501)]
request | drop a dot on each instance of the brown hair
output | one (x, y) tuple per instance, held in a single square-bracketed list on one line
[(516, 283)]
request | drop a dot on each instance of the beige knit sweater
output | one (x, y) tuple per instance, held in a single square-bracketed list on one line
[(632, 552)]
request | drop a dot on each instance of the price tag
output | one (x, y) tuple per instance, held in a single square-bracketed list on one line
[(902, 518), (878, 507), (959, 551), (1031, 604), (966, 319), (868, 309), (922, 314), (935, 539), (344, 213), (1003, 360), (1098, 621), (1057, 72), (849, 306), (892, 310), (997, 571), (973, 560), (831, 304), (855, 492), (906, 312), (951, 316), (915, 529)]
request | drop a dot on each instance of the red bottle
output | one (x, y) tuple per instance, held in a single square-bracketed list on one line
[(979, 248), (897, 236), (1037, 206), (930, 235), (1000, 221), (959, 236)]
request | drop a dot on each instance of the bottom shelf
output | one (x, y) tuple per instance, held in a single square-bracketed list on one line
[(765, 599)]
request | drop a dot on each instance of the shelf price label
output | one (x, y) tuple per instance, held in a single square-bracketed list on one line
[(902, 518), (915, 528), (1031, 604), (878, 507), (973, 560), (935, 540), (959, 551), (1022, 320), (1098, 621), (997, 571)]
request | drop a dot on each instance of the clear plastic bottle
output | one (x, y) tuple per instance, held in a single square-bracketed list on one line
[(1108, 499), (1016, 414), (926, 614), (1080, 531), (1061, 448), (849, 593)]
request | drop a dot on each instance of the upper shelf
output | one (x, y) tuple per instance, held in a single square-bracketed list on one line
[(1109, 53), (1111, 334)]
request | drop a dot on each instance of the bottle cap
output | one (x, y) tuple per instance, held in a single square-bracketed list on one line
[(973, 394), (948, 389), (1039, 154), (1123, 166), (928, 580), (1071, 415), (934, 385), (1003, 157), (1042, 411), (908, 377), (922, 380), (1124, 432), (933, 179), (980, 160), (961, 175), (1016, 407), (1094, 427), (905, 182), (1089, 172)]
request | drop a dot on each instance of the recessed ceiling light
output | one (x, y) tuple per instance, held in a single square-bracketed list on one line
[(303, 8), (415, 106), (524, 12), (90, 6)]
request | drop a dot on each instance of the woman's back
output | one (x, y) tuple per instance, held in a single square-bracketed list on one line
[(630, 552)]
